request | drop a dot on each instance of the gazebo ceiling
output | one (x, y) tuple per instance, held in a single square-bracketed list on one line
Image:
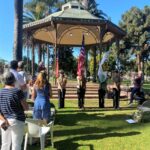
[(66, 27)]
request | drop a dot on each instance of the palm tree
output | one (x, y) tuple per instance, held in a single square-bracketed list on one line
[(34, 10), (17, 50)]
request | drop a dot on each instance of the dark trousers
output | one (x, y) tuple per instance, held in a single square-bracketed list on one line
[(61, 98), (116, 97), (101, 95), (81, 95), (134, 91)]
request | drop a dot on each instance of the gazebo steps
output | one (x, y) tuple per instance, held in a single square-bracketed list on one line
[(91, 91)]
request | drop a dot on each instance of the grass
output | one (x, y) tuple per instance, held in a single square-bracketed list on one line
[(97, 129)]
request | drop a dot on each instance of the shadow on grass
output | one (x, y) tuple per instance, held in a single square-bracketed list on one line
[(86, 130), (73, 128), (70, 143), (71, 119)]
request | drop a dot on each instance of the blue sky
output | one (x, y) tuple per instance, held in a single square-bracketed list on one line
[(113, 8)]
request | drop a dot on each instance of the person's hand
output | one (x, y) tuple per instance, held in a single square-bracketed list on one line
[(5, 125)]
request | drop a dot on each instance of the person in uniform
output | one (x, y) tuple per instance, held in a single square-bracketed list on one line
[(61, 82), (81, 88)]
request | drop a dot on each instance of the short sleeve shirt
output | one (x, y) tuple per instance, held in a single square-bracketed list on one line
[(10, 103), (19, 79)]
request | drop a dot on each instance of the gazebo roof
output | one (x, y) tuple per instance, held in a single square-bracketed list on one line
[(67, 26)]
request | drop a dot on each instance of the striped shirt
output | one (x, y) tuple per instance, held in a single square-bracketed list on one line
[(10, 103)]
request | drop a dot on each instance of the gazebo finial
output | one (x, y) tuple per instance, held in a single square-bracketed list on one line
[(74, 5)]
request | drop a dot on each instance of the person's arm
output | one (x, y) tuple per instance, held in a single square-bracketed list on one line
[(65, 82), (59, 86), (2, 118), (24, 105), (3, 122), (78, 82), (33, 95), (21, 99)]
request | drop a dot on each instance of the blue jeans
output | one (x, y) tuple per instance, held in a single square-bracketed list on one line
[(134, 91)]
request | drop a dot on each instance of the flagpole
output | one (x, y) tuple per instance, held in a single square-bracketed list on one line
[(81, 60)]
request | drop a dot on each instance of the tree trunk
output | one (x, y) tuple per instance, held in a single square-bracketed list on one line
[(33, 60), (17, 49), (44, 56), (39, 53), (28, 58), (139, 62)]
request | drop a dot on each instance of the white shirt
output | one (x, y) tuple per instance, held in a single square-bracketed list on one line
[(24, 76), (19, 79)]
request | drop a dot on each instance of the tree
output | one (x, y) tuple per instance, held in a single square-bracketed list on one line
[(134, 23), (34, 10), (3, 64), (92, 7), (17, 50), (67, 61)]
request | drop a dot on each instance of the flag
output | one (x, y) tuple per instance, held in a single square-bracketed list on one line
[(102, 75), (81, 60), (57, 65)]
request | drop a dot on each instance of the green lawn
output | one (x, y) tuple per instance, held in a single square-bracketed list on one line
[(97, 129)]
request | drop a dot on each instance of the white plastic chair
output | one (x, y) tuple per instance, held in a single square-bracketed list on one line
[(142, 109), (145, 107), (38, 129)]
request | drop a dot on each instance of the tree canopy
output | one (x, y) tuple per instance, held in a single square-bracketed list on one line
[(135, 22)]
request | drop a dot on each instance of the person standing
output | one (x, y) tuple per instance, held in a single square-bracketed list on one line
[(23, 74), (102, 77), (81, 88), (137, 87), (116, 89), (12, 106), (20, 83), (40, 95), (61, 82), (101, 93)]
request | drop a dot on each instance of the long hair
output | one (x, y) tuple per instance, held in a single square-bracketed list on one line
[(41, 80)]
